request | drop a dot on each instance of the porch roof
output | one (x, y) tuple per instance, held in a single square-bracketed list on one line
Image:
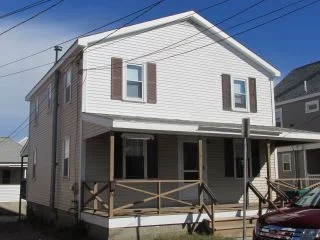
[(282, 136)]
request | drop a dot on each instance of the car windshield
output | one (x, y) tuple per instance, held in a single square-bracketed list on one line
[(310, 199)]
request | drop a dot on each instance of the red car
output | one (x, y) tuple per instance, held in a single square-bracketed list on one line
[(299, 222)]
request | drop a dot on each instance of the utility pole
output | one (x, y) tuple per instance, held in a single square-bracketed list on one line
[(245, 135), (54, 130)]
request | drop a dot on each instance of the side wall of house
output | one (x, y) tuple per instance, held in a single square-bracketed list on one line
[(189, 86), (40, 140), (294, 115)]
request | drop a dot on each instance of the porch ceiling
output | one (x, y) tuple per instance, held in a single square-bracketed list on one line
[(280, 136)]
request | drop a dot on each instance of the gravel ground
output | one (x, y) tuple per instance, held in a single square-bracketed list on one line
[(20, 231)]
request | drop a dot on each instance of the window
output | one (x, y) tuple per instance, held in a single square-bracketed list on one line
[(134, 82), (66, 154), (49, 98), (278, 116), (36, 111), (134, 157), (239, 94), (238, 158), (312, 106), (67, 86), (6, 176), (286, 162), (34, 163)]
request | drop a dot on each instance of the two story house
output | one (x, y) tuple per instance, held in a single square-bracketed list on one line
[(297, 106), (131, 129)]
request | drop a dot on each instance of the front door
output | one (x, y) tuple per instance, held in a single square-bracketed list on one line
[(189, 165)]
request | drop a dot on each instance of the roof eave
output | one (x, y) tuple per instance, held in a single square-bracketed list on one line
[(75, 46)]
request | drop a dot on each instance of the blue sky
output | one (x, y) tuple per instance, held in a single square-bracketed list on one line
[(286, 43)]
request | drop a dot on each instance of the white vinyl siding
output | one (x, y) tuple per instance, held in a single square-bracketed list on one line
[(312, 106), (188, 86), (286, 162), (66, 157), (67, 86)]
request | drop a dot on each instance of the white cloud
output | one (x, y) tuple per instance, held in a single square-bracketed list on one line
[(18, 43)]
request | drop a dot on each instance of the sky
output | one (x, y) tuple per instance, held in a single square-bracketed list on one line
[(287, 43)]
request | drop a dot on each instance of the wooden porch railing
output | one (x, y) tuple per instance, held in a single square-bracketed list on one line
[(256, 192), (96, 197)]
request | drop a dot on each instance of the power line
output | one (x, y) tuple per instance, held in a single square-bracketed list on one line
[(32, 5), (34, 16), (19, 129), (93, 30), (26, 70)]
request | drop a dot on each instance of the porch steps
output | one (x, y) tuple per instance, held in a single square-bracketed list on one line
[(232, 227)]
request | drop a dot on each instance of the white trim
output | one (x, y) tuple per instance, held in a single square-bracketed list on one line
[(278, 110), (298, 99), (140, 136), (158, 220), (13, 165), (234, 108), (308, 104), (289, 161), (276, 160)]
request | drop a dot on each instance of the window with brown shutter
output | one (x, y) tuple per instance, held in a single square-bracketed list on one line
[(116, 78), (151, 83), (226, 91), (253, 95)]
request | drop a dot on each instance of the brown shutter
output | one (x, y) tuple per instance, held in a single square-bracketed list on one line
[(152, 156), (253, 95), (116, 78), (255, 154), (152, 83), (118, 156), (228, 157), (226, 92)]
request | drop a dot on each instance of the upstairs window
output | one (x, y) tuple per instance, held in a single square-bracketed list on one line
[(34, 163), (278, 113), (36, 111), (67, 86), (312, 106), (286, 162), (239, 94), (49, 98), (134, 82), (66, 154)]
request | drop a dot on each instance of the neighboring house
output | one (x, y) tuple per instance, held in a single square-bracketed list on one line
[(10, 170), (297, 99), (132, 128)]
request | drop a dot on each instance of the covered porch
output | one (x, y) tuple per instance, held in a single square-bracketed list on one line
[(147, 167)]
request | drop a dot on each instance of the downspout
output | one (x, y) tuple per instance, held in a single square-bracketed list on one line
[(54, 132)]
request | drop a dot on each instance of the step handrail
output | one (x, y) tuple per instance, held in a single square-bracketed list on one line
[(278, 191), (209, 192), (256, 192)]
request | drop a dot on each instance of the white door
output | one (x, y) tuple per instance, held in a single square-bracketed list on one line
[(189, 166)]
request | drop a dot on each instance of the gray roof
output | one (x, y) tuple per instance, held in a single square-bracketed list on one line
[(292, 86), (9, 150)]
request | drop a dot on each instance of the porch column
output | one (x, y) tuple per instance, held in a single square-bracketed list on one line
[(268, 151), (111, 175), (200, 152)]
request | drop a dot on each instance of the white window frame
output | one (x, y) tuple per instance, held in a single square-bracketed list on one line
[(64, 157), (233, 93), (283, 162), (34, 163), (279, 110), (235, 161), (124, 83), (49, 98), (145, 160), (308, 104), (69, 71), (36, 111)]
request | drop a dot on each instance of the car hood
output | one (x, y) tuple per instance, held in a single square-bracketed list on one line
[(301, 217)]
